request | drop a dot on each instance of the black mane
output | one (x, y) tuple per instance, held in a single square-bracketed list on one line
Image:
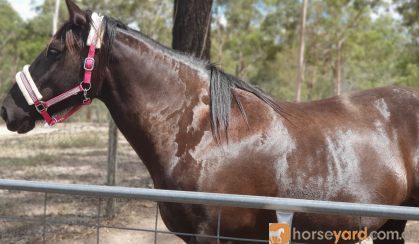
[(221, 93), (105, 54)]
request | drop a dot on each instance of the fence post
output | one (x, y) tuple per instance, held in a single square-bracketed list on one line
[(111, 177)]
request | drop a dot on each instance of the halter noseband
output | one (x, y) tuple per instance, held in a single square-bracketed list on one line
[(34, 97)]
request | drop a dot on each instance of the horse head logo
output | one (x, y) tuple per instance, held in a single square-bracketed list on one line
[(279, 233)]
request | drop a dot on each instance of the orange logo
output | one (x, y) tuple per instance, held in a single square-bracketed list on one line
[(279, 233)]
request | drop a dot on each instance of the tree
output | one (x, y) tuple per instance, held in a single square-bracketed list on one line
[(346, 47), (336, 21), (409, 9), (192, 27), (10, 26), (300, 72), (239, 43), (409, 65), (152, 17)]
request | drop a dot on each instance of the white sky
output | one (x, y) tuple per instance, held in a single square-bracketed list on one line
[(24, 7)]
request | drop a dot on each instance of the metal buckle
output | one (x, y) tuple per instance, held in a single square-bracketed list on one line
[(40, 107), (87, 100), (86, 86), (85, 64)]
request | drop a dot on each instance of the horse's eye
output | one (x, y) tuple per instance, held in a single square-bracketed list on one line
[(53, 53)]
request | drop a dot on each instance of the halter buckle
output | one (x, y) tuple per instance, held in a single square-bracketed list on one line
[(86, 86), (89, 64), (40, 107), (87, 100)]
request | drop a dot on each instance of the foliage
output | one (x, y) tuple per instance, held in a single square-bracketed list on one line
[(257, 40), (152, 17), (10, 23), (409, 65), (261, 41)]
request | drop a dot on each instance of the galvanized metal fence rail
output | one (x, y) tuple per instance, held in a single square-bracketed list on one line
[(212, 199)]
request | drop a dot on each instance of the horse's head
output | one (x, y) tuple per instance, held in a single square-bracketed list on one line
[(57, 69)]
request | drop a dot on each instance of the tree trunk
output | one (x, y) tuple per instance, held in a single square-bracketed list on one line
[(112, 164), (338, 78), (192, 27), (55, 18), (300, 69)]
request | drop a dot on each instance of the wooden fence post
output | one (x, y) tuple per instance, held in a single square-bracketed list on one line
[(111, 177)]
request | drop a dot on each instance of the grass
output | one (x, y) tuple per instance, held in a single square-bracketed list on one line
[(38, 159), (71, 140), (80, 141)]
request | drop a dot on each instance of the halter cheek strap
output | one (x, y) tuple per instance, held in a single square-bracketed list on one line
[(34, 97)]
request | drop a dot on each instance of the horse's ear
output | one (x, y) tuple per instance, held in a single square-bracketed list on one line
[(77, 16)]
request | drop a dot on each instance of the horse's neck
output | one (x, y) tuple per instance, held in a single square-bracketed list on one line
[(148, 92)]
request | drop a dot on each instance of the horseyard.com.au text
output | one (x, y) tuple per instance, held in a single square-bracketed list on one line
[(280, 234)]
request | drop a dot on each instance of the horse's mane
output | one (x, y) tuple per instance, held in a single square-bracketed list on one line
[(222, 85), (222, 93)]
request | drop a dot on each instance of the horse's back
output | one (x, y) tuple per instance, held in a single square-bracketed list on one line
[(386, 102), (361, 133)]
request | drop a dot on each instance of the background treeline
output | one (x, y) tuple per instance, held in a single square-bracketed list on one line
[(357, 44)]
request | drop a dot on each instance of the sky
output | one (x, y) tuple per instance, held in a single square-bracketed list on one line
[(25, 7)]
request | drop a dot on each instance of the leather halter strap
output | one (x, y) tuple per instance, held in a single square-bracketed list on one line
[(33, 96)]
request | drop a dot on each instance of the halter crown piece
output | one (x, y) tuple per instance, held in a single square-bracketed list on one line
[(34, 97)]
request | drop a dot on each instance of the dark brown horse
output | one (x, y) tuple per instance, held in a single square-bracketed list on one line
[(199, 129)]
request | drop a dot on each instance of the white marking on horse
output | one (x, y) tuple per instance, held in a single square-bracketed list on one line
[(344, 163), (382, 107), (214, 160), (285, 145), (386, 145), (344, 173), (209, 157), (198, 111)]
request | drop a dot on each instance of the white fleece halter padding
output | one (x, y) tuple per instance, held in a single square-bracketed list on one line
[(96, 27), (22, 87)]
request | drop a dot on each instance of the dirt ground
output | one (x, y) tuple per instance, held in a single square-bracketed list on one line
[(73, 153), (76, 153)]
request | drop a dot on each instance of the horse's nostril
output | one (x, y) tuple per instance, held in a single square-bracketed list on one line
[(3, 113)]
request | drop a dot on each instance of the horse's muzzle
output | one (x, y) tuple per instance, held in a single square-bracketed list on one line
[(3, 114), (10, 119), (16, 118)]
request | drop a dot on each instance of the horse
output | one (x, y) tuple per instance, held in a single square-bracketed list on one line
[(197, 128)]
